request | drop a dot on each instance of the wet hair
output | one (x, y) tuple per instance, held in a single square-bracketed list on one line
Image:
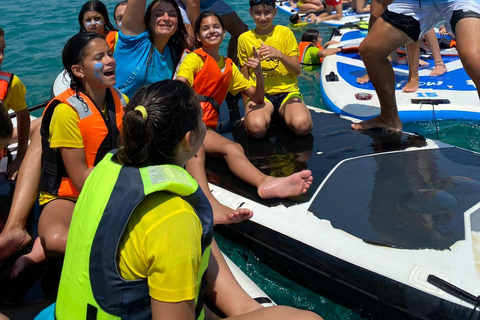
[(263, 2), (99, 7), (204, 15), (121, 3), (295, 18), (74, 52), (173, 110), (2, 33), (6, 126), (310, 35), (178, 41)]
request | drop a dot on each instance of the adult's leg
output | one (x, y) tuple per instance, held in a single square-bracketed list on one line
[(413, 56), (257, 118), (227, 295), (467, 34), (52, 234), (374, 54), (235, 26), (14, 236), (439, 66), (221, 214), (309, 7), (297, 116), (377, 7), (267, 186)]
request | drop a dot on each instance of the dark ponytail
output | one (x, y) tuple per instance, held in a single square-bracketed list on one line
[(172, 110)]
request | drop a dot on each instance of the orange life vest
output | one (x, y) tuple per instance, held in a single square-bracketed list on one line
[(5, 80), (303, 47), (211, 85), (111, 39), (99, 133)]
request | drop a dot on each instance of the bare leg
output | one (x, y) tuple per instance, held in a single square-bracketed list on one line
[(52, 231), (221, 214), (14, 237), (235, 26), (309, 7), (413, 55), (268, 187), (225, 292), (297, 116), (257, 118), (432, 42), (359, 6), (468, 46), (374, 54), (377, 7)]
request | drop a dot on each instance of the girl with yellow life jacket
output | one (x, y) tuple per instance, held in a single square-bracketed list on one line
[(78, 128), (311, 50), (141, 243), (212, 76), (93, 17)]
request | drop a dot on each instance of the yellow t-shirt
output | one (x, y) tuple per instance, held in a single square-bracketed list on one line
[(277, 77), (193, 63), (162, 243), (64, 132), (15, 99)]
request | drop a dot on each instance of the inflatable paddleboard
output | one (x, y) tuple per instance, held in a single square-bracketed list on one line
[(451, 96), (390, 226), (349, 16)]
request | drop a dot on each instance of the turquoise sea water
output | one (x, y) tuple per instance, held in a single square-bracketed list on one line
[(35, 35)]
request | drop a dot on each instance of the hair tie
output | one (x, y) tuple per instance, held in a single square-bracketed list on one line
[(143, 111)]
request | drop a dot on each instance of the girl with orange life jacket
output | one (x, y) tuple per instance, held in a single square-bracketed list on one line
[(12, 95), (78, 128), (212, 76), (311, 50), (93, 17)]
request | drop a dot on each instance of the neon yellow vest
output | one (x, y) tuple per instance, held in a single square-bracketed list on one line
[(90, 286)]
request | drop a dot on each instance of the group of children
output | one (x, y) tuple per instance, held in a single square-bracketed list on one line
[(161, 129)]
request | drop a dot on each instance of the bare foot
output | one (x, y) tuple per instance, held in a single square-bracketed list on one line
[(364, 79), (225, 215), (379, 123), (37, 255), (422, 63), (412, 85), (13, 240), (439, 69), (291, 186)]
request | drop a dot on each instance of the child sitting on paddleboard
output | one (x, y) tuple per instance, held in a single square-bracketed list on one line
[(212, 76), (12, 94), (311, 50), (278, 52)]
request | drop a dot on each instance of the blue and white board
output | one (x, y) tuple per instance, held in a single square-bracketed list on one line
[(451, 96), (349, 16)]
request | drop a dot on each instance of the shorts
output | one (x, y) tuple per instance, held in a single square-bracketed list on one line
[(416, 18), (333, 3), (280, 98)]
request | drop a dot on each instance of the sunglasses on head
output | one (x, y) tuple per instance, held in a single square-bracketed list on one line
[(267, 2)]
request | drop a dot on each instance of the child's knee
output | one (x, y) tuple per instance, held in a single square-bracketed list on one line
[(256, 127)]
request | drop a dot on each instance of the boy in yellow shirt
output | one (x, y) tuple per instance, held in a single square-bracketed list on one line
[(12, 94), (278, 52)]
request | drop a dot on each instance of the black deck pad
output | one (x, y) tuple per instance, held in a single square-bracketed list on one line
[(281, 153), (411, 200)]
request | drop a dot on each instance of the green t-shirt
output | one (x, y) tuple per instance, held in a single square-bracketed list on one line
[(311, 58)]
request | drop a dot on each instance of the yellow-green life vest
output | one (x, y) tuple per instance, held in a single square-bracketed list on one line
[(91, 286)]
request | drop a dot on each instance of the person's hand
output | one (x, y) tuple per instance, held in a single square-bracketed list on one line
[(331, 42), (254, 62), (267, 52), (442, 31), (12, 169)]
